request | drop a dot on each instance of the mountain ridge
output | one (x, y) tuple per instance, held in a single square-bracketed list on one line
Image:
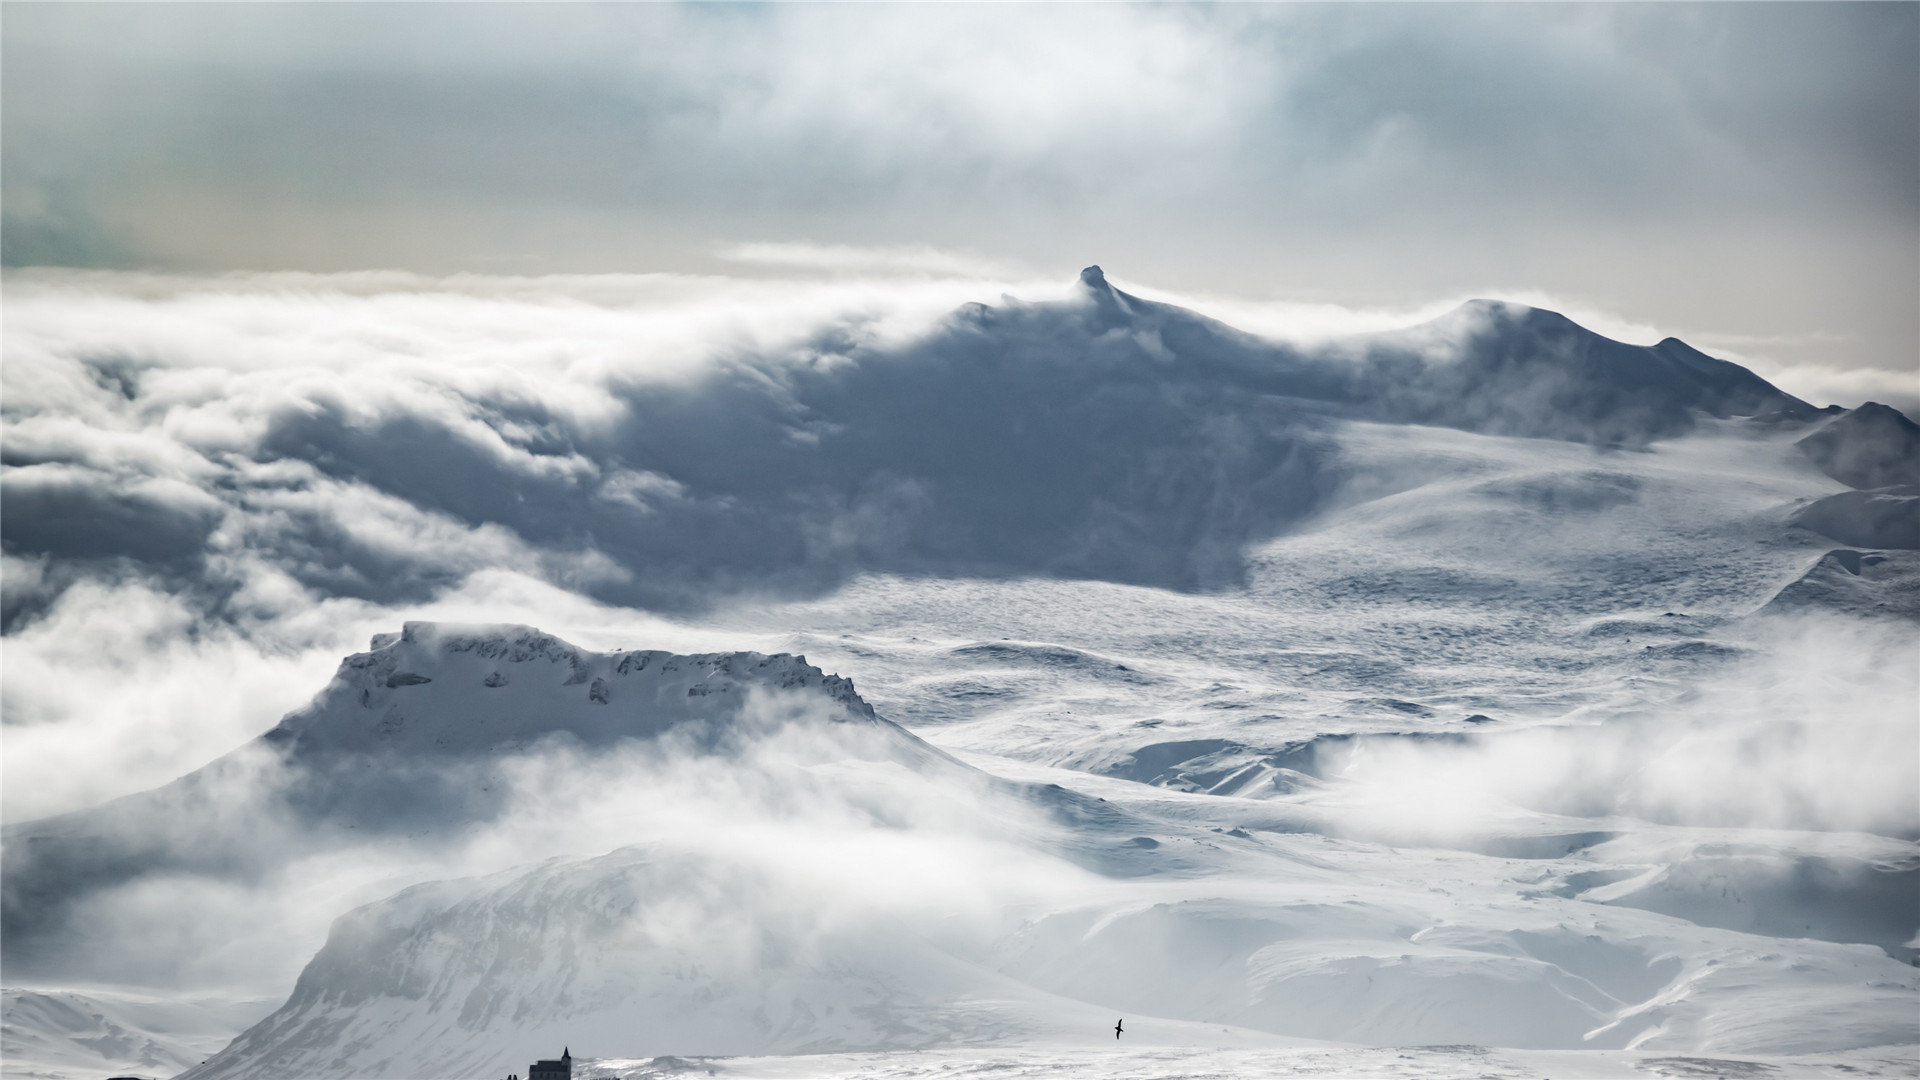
[(408, 740)]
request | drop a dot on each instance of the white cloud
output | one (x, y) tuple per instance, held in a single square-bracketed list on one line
[(917, 259)]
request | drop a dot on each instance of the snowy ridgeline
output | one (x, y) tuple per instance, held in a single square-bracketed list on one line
[(100, 1033), (414, 742), (497, 689), (1517, 742), (1104, 436)]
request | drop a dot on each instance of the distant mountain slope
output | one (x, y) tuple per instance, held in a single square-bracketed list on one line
[(403, 745), (1873, 446), (61, 1033), (1882, 583), (627, 951), (1488, 365), (1887, 517), (1103, 436), (1510, 369)]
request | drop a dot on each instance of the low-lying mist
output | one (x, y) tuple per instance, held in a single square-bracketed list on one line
[(1818, 730), (847, 822)]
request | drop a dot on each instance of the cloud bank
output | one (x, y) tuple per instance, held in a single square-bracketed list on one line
[(272, 465), (1723, 169)]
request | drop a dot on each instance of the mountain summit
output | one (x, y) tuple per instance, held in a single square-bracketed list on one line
[(410, 742), (437, 688)]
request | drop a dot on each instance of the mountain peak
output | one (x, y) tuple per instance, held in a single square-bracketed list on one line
[(1114, 306), (1887, 414), (1511, 313), (474, 688), (1873, 446)]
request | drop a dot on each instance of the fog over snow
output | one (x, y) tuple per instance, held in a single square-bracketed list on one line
[(644, 529), (1457, 677)]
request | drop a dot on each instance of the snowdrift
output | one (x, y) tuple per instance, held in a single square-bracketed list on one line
[(1870, 583), (1882, 517)]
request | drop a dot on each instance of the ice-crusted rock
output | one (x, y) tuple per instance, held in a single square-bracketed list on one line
[(1113, 306)]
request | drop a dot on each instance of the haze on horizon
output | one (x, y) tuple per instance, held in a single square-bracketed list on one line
[(1746, 177)]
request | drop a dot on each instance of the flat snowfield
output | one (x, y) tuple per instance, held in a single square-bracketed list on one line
[(1167, 1063)]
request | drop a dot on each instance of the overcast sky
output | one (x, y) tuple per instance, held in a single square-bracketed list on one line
[(1747, 176)]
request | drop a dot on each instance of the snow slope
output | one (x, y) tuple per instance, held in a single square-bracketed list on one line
[(1278, 914), (1159, 1063), (1515, 711), (468, 978), (63, 1034), (1873, 446), (1101, 436), (412, 745)]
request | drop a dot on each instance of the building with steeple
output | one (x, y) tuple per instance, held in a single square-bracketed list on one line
[(561, 1069)]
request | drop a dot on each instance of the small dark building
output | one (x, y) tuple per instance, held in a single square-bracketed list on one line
[(551, 1069)]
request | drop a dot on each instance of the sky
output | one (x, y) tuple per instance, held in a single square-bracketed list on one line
[(1746, 177)]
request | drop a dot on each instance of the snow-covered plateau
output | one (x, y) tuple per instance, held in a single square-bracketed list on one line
[(1487, 698)]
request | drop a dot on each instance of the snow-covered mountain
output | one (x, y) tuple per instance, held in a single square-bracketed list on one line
[(637, 948), (67, 1034), (1220, 918), (409, 744), (1490, 366), (1488, 682), (1875, 449), (1101, 436), (1872, 446)]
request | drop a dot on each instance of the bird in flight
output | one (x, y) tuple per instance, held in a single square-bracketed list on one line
[(1116, 1028)]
